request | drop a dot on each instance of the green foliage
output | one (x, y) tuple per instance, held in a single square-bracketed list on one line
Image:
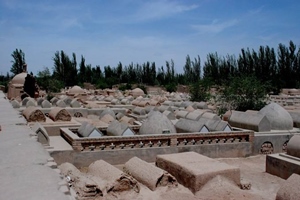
[(126, 86), (44, 78), (55, 85), (192, 70), (244, 93), (17, 62), (65, 69), (199, 91), (49, 96), (101, 84), (171, 87), (47, 82), (281, 70)]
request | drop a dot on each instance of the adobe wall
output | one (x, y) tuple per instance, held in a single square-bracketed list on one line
[(276, 140), (114, 157)]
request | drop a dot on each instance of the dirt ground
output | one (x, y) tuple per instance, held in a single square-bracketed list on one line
[(263, 185)]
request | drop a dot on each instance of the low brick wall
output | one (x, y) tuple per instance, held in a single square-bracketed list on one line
[(275, 142), (119, 149)]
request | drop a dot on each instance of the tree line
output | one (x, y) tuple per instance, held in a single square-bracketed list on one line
[(66, 72), (279, 69), (266, 68)]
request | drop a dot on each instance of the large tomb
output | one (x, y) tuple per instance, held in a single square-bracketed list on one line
[(194, 170), (285, 164)]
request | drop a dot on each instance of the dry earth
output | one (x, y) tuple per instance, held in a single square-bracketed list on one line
[(263, 185)]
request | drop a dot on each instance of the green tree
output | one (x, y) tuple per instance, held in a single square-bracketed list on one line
[(199, 91), (30, 85), (243, 93), (43, 79), (64, 69), (82, 70), (211, 68), (196, 69), (17, 62)]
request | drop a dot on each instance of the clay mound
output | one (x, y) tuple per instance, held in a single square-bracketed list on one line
[(33, 114), (148, 174), (60, 114), (290, 189), (84, 186), (116, 180), (222, 188)]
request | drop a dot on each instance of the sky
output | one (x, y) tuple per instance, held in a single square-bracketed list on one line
[(106, 32)]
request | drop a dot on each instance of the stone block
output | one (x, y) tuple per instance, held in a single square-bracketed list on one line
[(194, 170), (42, 135)]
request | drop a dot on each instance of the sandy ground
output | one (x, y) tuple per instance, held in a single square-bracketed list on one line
[(263, 185)]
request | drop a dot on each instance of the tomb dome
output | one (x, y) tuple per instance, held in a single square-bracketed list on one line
[(76, 90), (19, 79), (279, 118), (156, 123), (137, 92)]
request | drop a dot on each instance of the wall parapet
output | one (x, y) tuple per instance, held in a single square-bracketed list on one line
[(150, 141)]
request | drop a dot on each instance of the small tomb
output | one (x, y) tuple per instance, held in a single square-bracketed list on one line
[(42, 135), (285, 164), (148, 174), (190, 126), (117, 128), (257, 122), (89, 130), (33, 114), (46, 104), (59, 114)]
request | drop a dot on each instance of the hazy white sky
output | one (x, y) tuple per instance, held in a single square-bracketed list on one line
[(107, 32)]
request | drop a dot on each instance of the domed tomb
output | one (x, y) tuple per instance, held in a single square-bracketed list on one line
[(157, 123), (15, 86), (279, 118), (75, 90), (19, 78), (137, 92)]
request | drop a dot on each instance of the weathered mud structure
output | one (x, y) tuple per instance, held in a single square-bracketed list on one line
[(285, 164), (245, 133), (59, 130)]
